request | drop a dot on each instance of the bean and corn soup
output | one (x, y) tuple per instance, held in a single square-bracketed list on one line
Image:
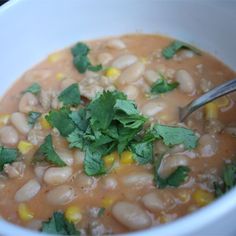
[(91, 143)]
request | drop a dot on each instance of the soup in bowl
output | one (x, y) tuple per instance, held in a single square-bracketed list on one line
[(91, 142)]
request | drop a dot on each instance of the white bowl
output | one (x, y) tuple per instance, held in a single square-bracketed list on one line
[(29, 30)]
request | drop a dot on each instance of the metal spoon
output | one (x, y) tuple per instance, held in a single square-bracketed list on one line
[(213, 94)]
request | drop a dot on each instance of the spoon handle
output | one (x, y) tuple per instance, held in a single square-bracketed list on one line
[(216, 92)]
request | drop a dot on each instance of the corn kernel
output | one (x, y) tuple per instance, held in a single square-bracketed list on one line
[(4, 119), (60, 76), (44, 123), (202, 197), (24, 212), (107, 202), (143, 60), (54, 57), (211, 111), (112, 73), (73, 214), (24, 147), (110, 159), (222, 102), (126, 157)]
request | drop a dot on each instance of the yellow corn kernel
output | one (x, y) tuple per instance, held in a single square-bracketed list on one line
[(44, 123), (4, 119), (126, 157), (54, 57), (73, 214), (211, 111), (222, 102), (110, 159), (60, 76), (24, 212), (112, 73), (24, 147), (143, 60), (107, 201), (202, 197)]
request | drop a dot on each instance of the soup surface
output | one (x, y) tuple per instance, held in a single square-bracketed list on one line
[(91, 143)]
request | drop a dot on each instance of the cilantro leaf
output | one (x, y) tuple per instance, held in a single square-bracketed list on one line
[(7, 156), (175, 46), (80, 58), (162, 86), (142, 152), (93, 163), (175, 135), (101, 211), (33, 117), (48, 151), (60, 119), (70, 95), (175, 179), (35, 88), (228, 180), (59, 225)]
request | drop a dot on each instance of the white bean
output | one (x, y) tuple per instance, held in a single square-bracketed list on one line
[(131, 215), (124, 61), (186, 82), (39, 171), (156, 201), (66, 156), (138, 179), (171, 162), (115, 44), (131, 91), (151, 76), (207, 145), (28, 191), (61, 195), (27, 103), (104, 58), (152, 107), (132, 73), (9, 136), (57, 175), (19, 120)]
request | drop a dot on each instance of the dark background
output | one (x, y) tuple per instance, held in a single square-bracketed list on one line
[(2, 1)]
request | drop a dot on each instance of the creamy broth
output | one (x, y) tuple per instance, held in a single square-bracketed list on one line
[(127, 183)]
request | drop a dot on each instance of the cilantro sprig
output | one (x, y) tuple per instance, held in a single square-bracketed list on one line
[(176, 46), (7, 156), (80, 58), (162, 86), (228, 180), (35, 88), (70, 95), (33, 117), (59, 225), (175, 179), (47, 151)]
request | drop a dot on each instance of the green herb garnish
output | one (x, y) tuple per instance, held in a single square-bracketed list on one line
[(176, 46), (70, 95), (35, 88), (228, 180), (101, 211), (7, 156), (175, 179), (33, 117), (80, 58), (162, 86), (47, 150), (59, 225), (175, 135)]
